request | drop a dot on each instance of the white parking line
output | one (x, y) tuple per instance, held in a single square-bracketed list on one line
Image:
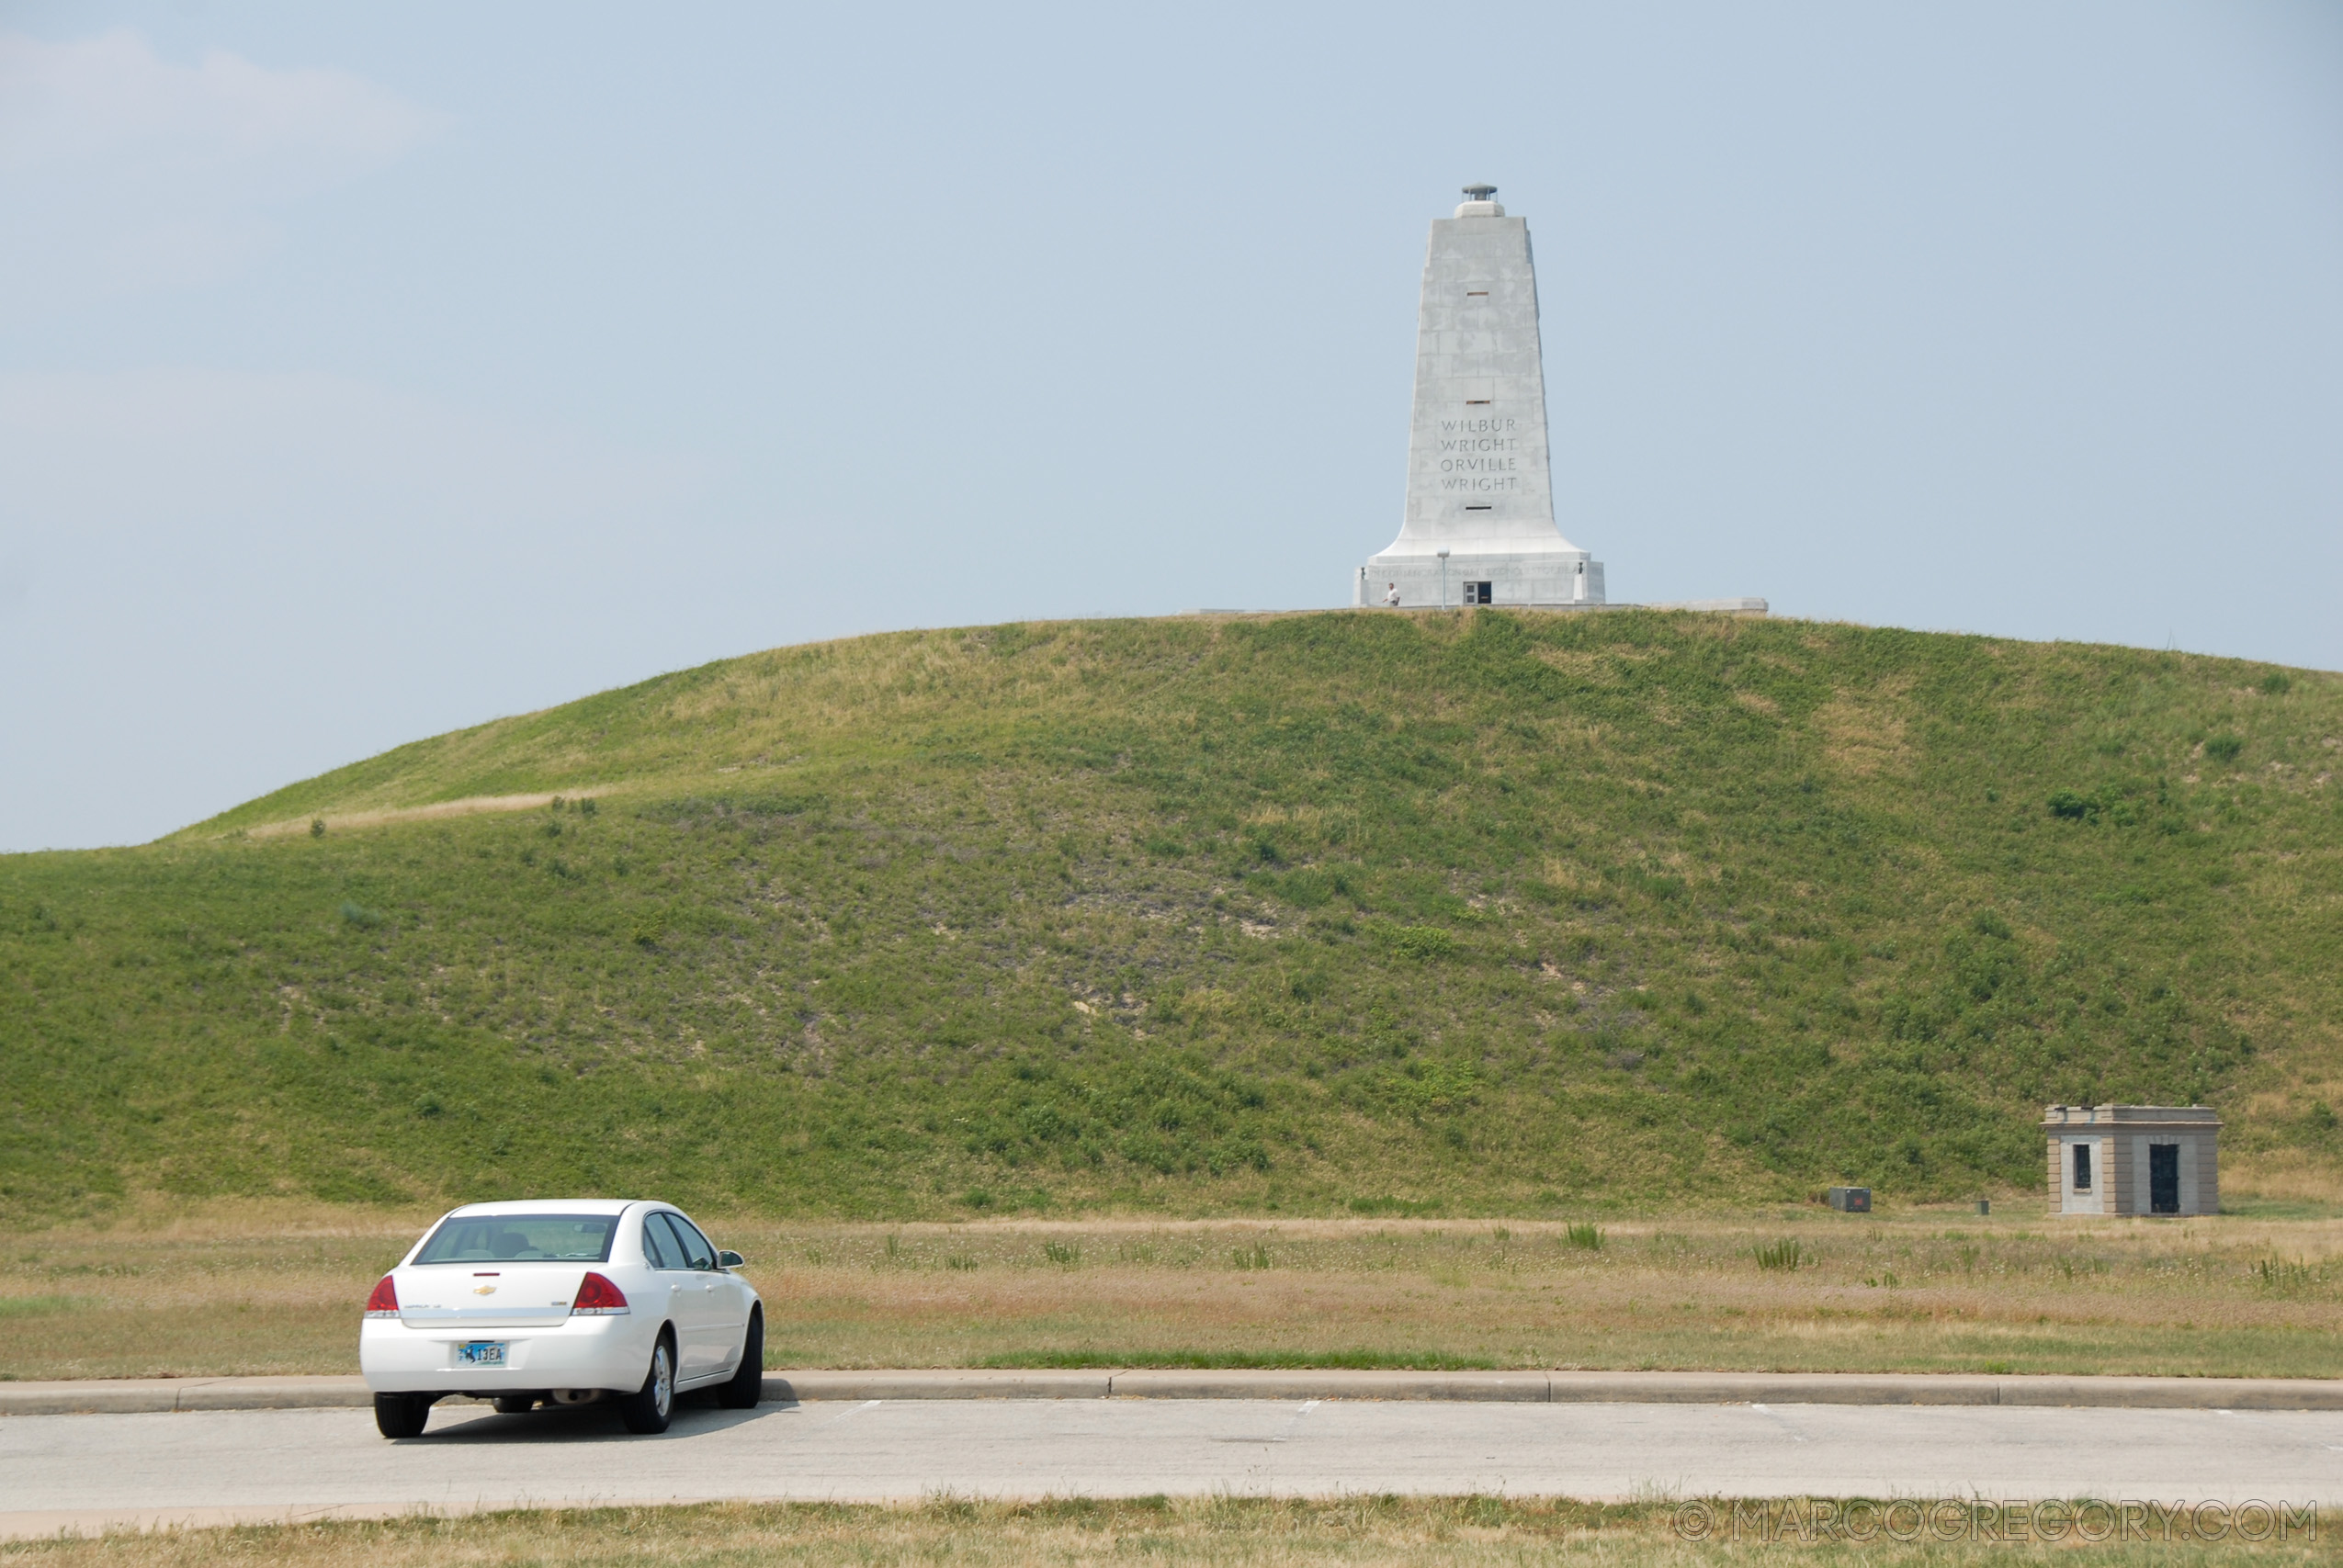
[(1291, 1427), (865, 1404)]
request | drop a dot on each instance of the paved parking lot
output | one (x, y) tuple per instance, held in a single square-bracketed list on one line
[(214, 1466)]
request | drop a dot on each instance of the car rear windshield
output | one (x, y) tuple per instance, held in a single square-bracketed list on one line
[(521, 1239)]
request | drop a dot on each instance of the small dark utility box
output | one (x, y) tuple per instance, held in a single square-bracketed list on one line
[(1851, 1199)]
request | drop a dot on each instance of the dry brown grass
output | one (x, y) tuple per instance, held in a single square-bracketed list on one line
[(192, 1290), (2287, 1176), (1917, 1291), (254, 1289), (471, 806), (1864, 730), (1361, 1531)]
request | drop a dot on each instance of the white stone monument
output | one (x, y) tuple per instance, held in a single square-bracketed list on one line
[(1479, 524)]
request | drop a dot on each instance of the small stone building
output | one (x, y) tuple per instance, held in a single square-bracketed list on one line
[(2134, 1159)]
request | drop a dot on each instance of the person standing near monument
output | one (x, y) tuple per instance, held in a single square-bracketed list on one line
[(1392, 598)]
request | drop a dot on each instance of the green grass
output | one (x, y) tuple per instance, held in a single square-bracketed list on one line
[(1478, 913)]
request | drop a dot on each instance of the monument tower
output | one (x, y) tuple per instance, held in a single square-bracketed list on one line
[(1479, 522)]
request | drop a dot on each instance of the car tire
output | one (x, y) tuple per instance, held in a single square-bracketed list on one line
[(747, 1382), (650, 1407), (516, 1404), (401, 1414)]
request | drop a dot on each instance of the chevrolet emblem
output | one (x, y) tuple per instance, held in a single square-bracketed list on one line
[(484, 1290)]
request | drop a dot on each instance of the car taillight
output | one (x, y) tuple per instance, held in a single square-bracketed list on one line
[(597, 1297), (384, 1303)]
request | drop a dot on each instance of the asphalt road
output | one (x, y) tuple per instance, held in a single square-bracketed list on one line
[(75, 1471)]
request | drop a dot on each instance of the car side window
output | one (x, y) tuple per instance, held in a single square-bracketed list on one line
[(698, 1253), (658, 1243)]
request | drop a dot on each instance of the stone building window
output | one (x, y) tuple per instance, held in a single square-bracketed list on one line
[(2082, 1167)]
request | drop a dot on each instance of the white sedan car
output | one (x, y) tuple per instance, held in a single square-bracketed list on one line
[(565, 1303)]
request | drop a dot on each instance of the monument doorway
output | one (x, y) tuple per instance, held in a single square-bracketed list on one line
[(2164, 1179)]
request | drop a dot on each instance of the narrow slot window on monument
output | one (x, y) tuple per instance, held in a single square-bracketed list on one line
[(1477, 506), (2082, 1167), (1476, 293), (1479, 402)]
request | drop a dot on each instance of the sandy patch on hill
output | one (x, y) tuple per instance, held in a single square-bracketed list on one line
[(1863, 730), (467, 806)]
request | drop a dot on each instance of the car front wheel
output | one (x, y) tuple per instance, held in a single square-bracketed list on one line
[(650, 1407), (401, 1414), (748, 1383)]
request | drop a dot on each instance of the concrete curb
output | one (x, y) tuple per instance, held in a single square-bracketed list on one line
[(136, 1396), (1577, 1388), (157, 1395)]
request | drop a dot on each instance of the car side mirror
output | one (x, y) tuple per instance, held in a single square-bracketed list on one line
[(728, 1258)]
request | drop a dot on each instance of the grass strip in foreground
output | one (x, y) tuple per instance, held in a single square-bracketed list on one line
[(1218, 1530)]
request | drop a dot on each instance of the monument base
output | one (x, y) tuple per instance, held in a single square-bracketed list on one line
[(1547, 579)]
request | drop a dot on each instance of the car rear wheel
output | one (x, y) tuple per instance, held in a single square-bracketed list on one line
[(401, 1414), (648, 1408), (748, 1383)]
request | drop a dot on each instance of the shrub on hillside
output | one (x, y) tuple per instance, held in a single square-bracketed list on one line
[(1422, 942), (2108, 805)]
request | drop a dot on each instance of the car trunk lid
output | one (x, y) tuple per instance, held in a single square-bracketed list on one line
[(464, 1296)]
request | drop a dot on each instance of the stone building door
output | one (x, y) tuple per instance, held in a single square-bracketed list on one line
[(2164, 1179)]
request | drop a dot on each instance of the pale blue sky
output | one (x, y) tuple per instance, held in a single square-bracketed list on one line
[(368, 371)]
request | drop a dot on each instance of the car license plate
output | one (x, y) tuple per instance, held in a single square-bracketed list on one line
[(481, 1353)]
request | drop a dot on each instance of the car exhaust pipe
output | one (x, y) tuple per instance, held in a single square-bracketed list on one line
[(579, 1395)]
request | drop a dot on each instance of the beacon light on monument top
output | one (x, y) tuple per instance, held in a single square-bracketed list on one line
[(1479, 491)]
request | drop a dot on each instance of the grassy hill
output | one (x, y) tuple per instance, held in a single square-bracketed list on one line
[(1359, 913)]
